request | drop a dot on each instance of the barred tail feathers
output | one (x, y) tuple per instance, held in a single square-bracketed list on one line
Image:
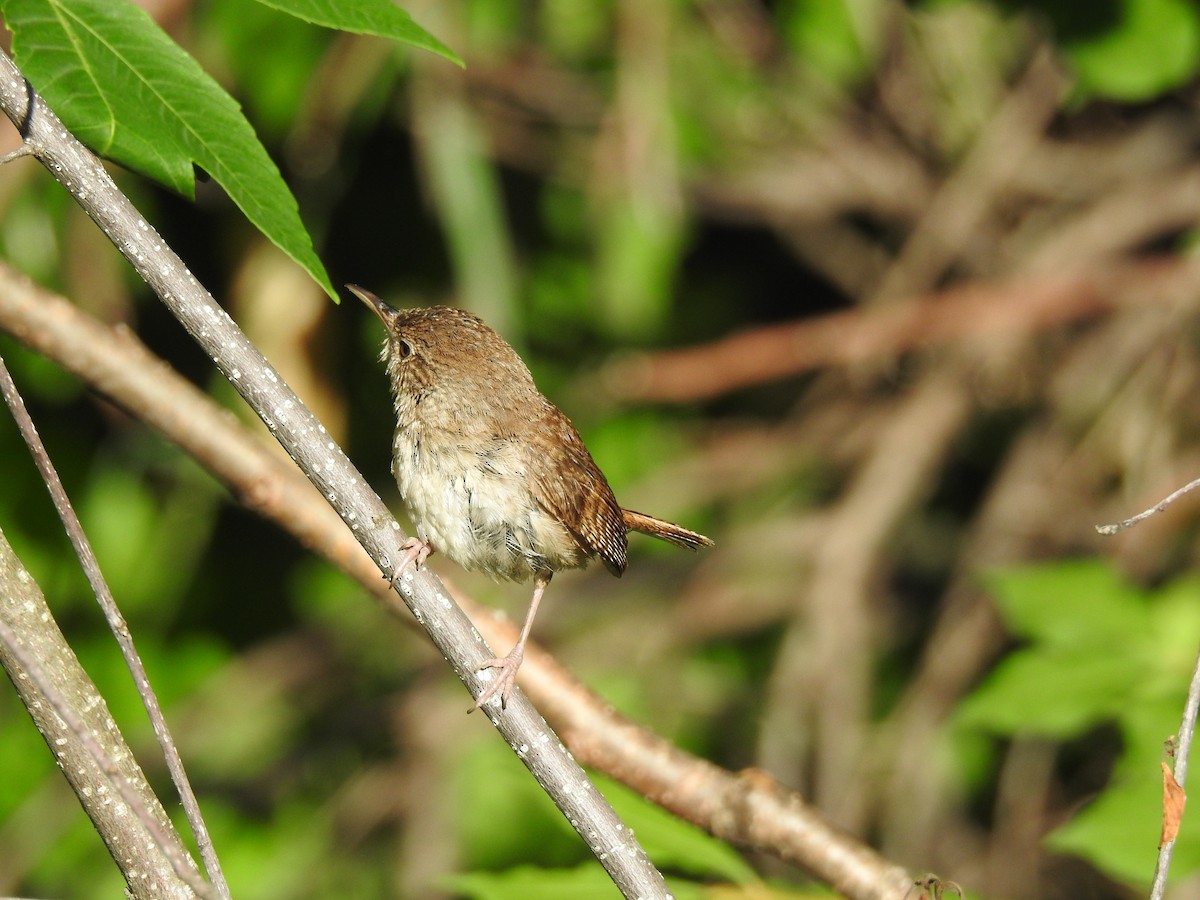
[(667, 531)]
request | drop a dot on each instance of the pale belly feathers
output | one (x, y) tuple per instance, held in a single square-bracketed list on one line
[(474, 507)]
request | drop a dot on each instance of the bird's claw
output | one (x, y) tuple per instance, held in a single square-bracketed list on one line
[(504, 680), (416, 551)]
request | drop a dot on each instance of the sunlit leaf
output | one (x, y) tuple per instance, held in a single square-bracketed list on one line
[(133, 95), (380, 17)]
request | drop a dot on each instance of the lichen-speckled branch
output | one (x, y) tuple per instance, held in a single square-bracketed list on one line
[(324, 463), (75, 722)]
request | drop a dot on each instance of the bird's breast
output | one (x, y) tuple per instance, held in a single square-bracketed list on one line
[(470, 497)]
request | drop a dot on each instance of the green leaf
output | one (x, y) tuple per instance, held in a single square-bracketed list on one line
[(1153, 47), (1098, 647), (1055, 694), (378, 17), (107, 69), (1119, 829), (132, 94), (1098, 650), (1070, 604)]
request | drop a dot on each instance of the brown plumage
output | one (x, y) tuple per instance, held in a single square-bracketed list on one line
[(495, 475)]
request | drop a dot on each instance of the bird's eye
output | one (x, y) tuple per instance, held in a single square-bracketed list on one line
[(406, 349)]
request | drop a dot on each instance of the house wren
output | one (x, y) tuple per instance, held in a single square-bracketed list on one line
[(495, 476)]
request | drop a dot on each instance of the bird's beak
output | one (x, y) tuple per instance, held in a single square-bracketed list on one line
[(386, 314)]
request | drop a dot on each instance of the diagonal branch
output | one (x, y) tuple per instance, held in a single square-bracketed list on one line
[(76, 724), (324, 463), (748, 809), (124, 637), (120, 630)]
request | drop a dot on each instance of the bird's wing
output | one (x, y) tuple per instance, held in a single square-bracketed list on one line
[(571, 487)]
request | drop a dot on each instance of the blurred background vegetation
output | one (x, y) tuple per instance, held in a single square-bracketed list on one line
[(954, 241)]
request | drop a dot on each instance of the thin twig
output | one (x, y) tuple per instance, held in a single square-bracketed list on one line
[(1187, 731), (120, 630), (14, 154), (1147, 513)]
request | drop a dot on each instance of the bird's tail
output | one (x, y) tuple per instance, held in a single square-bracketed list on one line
[(667, 531)]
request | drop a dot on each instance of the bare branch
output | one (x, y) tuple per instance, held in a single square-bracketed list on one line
[(963, 313), (76, 724), (324, 463), (120, 629), (1187, 731), (1147, 513)]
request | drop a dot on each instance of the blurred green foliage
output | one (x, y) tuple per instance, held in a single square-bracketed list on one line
[(1125, 50), (1095, 652)]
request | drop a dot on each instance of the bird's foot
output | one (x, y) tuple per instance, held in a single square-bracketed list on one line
[(504, 680), (416, 551)]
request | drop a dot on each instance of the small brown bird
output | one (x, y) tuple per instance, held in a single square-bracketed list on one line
[(495, 476)]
